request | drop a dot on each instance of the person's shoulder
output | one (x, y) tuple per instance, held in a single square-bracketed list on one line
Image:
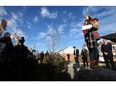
[(102, 45), (25, 47), (95, 20), (109, 43), (77, 49), (3, 38)]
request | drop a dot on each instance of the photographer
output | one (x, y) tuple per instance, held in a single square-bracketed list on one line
[(21, 50), (8, 49)]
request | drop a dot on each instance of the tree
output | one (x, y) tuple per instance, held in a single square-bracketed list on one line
[(53, 39)]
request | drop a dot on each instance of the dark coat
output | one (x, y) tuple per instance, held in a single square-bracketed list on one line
[(84, 53), (8, 42), (76, 53), (107, 48)]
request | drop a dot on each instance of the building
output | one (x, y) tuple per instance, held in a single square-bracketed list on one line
[(68, 50), (65, 51)]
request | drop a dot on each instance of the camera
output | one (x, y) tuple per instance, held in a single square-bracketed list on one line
[(22, 40)]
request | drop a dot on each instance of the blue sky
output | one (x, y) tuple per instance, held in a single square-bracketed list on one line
[(36, 23)]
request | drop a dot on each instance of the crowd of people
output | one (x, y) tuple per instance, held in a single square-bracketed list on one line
[(17, 62), (40, 56), (91, 37), (106, 49), (14, 55), (8, 49)]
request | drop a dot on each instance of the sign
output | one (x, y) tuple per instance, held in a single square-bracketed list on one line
[(86, 27), (4, 23), (3, 26)]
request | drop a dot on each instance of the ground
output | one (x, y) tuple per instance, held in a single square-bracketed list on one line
[(72, 67)]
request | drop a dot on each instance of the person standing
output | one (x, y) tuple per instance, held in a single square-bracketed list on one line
[(106, 49), (91, 40), (47, 53), (68, 56), (41, 57), (8, 49), (21, 51), (76, 55), (47, 56), (84, 54)]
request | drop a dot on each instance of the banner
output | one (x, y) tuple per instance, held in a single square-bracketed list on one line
[(4, 23), (3, 26)]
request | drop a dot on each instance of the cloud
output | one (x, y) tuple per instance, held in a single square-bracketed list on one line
[(106, 13), (51, 32), (45, 13), (29, 25), (68, 16), (76, 33), (45, 34), (69, 21), (42, 34), (14, 23), (50, 38), (35, 20), (61, 28), (64, 12), (3, 11), (74, 30), (90, 10), (71, 16)]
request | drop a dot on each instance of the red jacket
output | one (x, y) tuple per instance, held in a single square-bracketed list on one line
[(94, 21)]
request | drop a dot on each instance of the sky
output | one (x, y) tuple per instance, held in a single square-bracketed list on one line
[(37, 23)]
